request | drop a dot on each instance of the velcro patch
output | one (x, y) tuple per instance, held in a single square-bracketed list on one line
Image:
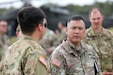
[(56, 62), (43, 60)]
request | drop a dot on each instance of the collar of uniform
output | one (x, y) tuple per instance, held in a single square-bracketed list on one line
[(90, 32), (79, 49), (30, 38), (27, 37), (70, 47), (65, 45)]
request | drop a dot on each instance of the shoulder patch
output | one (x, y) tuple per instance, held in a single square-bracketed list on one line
[(43, 60), (56, 62)]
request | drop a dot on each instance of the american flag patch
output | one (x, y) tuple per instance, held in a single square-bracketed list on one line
[(41, 59), (56, 62)]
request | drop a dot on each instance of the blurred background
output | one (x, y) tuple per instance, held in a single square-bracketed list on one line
[(56, 11)]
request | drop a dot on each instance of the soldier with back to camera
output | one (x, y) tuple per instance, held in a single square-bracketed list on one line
[(26, 56)]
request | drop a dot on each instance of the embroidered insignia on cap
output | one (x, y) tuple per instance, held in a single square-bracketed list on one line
[(43, 60), (56, 62)]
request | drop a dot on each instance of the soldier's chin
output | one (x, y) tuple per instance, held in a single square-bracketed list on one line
[(76, 40), (96, 24)]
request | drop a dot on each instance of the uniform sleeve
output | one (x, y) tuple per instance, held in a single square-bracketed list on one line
[(57, 63), (32, 65), (29, 63)]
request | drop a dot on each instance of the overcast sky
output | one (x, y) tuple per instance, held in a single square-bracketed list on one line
[(38, 3)]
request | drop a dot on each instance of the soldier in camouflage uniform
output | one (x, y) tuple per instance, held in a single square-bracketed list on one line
[(62, 34), (26, 56), (48, 40), (72, 57), (102, 41), (4, 39)]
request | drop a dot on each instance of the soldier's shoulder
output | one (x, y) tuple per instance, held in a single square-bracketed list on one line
[(90, 50), (108, 32), (89, 32), (88, 29), (87, 46), (20, 44), (57, 50)]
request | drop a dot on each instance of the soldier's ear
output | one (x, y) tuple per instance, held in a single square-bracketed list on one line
[(40, 27)]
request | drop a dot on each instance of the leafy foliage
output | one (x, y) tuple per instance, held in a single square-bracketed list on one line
[(106, 8)]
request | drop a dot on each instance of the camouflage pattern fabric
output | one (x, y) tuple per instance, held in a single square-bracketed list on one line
[(25, 57), (4, 43), (103, 45), (67, 59), (47, 40)]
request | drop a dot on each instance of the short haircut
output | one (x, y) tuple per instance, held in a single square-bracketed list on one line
[(75, 17), (95, 9), (29, 17)]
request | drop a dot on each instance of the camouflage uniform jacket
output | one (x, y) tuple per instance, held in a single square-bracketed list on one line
[(25, 57), (67, 59), (4, 43), (48, 39), (103, 45)]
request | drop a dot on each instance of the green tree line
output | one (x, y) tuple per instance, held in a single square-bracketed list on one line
[(76, 9), (107, 8)]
